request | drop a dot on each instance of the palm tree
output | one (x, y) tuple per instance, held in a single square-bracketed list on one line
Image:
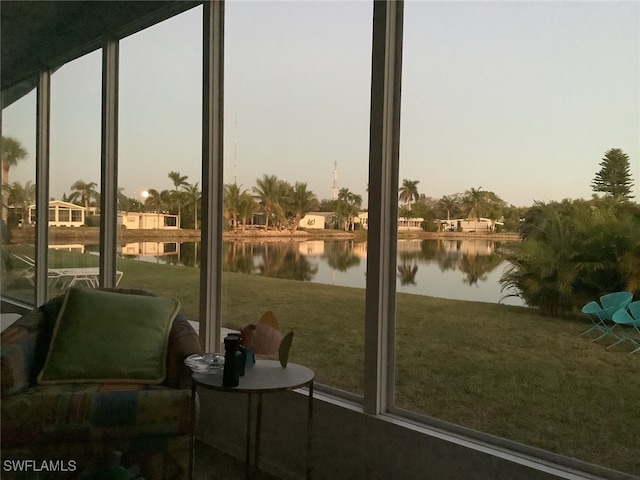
[(83, 192), (11, 152), (268, 194), (179, 181), (124, 202), (347, 206), (408, 192), (450, 203), (158, 201), (283, 209), (349, 197), (303, 201), (22, 196), (475, 201), (232, 199), (246, 207), (192, 192)]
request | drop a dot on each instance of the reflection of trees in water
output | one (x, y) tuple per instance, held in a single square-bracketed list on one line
[(283, 260), (188, 254), (475, 259), (238, 257), (407, 273), (477, 267), (340, 255)]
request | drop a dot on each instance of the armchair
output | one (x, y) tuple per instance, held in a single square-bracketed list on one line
[(69, 428)]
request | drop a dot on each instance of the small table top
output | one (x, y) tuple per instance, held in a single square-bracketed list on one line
[(264, 376)]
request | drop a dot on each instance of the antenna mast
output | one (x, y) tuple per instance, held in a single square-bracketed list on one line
[(335, 180), (235, 147)]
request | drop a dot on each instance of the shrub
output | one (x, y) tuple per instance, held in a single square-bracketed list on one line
[(573, 252)]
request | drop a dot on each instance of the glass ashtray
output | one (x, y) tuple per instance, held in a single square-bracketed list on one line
[(205, 363)]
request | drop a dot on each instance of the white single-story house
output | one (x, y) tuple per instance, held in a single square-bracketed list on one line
[(470, 224), (316, 220), (404, 223), (61, 214), (141, 221)]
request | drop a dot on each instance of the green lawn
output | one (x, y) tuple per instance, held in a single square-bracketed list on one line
[(499, 369)]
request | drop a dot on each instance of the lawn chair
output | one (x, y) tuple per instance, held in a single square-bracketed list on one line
[(53, 275), (612, 302), (599, 318), (629, 322), (634, 309)]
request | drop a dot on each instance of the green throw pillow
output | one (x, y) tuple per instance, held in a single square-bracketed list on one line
[(109, 337)]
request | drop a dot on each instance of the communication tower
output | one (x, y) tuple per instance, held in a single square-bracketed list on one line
[(335, 180)]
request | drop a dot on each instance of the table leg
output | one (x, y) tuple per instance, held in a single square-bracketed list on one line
[(247, 461), (258, 428), (192, 446), (309, 429)]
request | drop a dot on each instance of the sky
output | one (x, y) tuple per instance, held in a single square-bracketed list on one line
[(519, 98)]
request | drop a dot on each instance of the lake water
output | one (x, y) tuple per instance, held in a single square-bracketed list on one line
[(455, 269)]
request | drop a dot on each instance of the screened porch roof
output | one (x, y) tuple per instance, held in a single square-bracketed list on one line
[(44, 35)]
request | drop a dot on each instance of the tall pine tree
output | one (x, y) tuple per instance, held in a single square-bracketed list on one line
[(614, 178)]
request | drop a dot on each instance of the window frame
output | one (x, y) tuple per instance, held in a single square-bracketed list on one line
[(379, 361)]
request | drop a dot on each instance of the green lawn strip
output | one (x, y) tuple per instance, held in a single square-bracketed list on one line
[(499, 369)]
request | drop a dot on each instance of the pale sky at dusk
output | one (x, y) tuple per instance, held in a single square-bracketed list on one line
[(521, 98)]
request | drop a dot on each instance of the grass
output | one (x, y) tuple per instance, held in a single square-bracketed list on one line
[(499, 369)]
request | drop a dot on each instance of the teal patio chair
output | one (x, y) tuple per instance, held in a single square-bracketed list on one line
[(598, 318), (629, 322), (634, 309), (612, 302)]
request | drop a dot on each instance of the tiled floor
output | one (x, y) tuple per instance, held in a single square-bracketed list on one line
[(211, 464)]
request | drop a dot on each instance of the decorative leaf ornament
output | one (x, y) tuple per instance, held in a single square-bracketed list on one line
[(266, 340), (283, 351)]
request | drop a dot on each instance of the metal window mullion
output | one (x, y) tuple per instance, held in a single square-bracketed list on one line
[(43, 126), (212, 171), (386, 69), (109, 164)]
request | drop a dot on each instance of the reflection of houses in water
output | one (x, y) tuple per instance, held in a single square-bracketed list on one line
[(69, 247), (409, 245), (311, 248), (150, 248), (140, 221), (468, 247), (360, 249)]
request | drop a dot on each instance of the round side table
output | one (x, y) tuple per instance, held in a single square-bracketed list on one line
[(266, 376)]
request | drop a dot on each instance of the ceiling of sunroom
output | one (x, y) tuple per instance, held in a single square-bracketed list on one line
[(39, 35)]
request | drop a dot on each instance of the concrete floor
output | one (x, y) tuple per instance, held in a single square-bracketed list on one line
[(211, 464)]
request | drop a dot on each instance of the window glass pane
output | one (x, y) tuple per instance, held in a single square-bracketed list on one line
[(159, 160), (75, 173), (297, 80), (18, 195), (505, 104)]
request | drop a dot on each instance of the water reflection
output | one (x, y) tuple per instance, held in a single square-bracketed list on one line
[(407, 273), (441, 267), (342, 255)]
